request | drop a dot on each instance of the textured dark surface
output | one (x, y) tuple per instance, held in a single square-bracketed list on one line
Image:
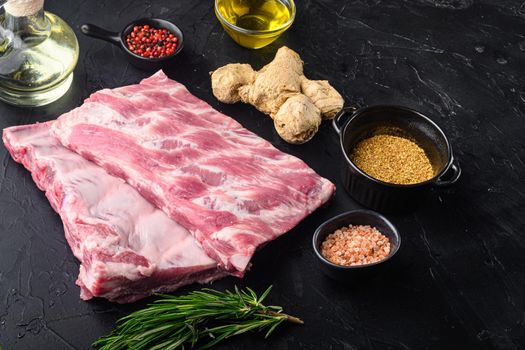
[(459, 280)]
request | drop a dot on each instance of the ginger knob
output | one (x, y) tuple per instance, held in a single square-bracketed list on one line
[(275, 82), (298, 120), (280, 89), (323, 96), (227, 80)]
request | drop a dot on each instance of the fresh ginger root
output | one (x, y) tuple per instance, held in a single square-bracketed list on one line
[(280, 89), (297, 120), (229, 79)]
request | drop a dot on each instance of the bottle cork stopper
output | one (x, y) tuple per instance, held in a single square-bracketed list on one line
[(23, 8)]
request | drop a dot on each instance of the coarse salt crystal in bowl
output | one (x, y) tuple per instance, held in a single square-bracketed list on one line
[(352, 273)]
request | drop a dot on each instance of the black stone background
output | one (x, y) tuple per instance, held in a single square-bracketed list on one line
[(459, 280)]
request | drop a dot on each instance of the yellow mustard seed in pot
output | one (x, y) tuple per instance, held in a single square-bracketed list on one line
[(392, 159)]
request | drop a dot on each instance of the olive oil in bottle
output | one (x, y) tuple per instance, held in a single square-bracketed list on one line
[(261, 21), (38, 52)]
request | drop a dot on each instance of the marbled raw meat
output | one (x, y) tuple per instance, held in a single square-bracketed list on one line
[(230, 188), (128, 249)]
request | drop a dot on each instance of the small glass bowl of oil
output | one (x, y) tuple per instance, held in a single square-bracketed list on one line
[(255, 23)]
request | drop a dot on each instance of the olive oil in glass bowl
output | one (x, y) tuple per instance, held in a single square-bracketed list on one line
[(38, 52), (255, 23)]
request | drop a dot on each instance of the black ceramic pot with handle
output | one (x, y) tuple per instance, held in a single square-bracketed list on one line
[(354, 124)]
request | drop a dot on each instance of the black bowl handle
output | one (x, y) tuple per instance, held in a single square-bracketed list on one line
[(100, 33), (451, 176), (337, 123)]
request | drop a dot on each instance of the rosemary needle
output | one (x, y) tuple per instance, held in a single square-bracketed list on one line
[(199, 319)]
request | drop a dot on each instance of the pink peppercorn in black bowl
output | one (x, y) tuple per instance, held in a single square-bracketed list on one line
[(135, 58), (355, 273)]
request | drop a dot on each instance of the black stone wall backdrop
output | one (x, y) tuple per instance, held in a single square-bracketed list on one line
[(459, 280)]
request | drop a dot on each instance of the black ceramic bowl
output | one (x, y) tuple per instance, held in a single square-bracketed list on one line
[(368, 121), (355, 217), (119, 39)]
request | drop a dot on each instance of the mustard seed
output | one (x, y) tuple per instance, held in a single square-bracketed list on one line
[(392, 159)]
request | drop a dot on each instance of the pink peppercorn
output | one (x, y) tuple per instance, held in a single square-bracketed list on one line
[(151, 42)]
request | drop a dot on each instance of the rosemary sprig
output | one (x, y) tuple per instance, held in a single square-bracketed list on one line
[(199, 319)]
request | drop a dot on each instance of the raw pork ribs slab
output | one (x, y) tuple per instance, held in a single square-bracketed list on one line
[(230, 188), (128, 249)]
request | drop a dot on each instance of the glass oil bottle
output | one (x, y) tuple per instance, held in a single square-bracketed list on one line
[(38, 53)]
